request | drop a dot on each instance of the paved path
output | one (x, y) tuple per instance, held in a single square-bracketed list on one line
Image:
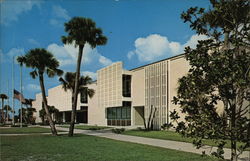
[(181, 146)]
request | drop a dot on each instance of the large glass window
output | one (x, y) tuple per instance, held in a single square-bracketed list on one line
[(84, 95), (126, 85), (123, 112), (109, 113), (118, 112)]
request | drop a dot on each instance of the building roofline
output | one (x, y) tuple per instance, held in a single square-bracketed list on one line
[(176, 56)]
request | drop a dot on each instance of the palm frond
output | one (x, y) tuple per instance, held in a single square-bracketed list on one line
[(64, 83), (91, 92), (34, 74)]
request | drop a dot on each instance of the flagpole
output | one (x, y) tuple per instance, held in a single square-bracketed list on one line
[(21, 106), (13, 108), (7, 110)]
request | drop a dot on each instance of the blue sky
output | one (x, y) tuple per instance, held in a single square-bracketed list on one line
[(138, 31)]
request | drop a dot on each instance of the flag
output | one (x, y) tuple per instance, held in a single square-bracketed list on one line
[(19, 96)]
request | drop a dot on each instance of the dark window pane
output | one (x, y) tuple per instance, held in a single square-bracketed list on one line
[(128, 112), (118, 113), (126, 85), (109, 111), (114, 113), (84, 95), (83, 108), (124, 113), (126, 104)]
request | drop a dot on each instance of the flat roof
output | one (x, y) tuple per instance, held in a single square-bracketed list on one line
[(158, 61)]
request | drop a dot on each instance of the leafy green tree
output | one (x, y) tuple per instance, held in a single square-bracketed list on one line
[(3, 97), (42, 113), (81, 31), (219, 73), (42, 62), (27, 115), (28, 102)]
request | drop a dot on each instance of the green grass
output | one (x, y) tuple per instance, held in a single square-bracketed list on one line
[(86, 127), (83, 147), (23, 130), (170, 135)]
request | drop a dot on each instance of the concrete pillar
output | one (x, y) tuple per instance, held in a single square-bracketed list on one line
[(63, 116)]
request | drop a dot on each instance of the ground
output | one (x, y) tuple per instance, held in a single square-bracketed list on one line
[(83, 147), (23, 130)]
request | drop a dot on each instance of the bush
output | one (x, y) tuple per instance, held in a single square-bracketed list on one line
[(118, 131), (25, 125)]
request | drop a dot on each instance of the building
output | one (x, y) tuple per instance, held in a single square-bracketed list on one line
[(124, 97)]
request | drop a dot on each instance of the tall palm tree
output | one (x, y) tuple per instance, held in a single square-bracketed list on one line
[(3, 97), (42, 62), (81, 31), (68, 83)]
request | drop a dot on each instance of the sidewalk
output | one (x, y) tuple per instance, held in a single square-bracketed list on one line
[(175, 145)]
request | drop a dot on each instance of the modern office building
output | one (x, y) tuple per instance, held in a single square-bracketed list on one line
[(124, 97)]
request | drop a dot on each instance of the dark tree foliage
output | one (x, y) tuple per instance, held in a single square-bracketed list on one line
[(42, 113), (215, 94), (68, 83)]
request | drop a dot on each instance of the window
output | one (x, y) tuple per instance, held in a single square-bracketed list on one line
[(126, 85), (128, 111), (84, 95), (84, 108), (120, 112)]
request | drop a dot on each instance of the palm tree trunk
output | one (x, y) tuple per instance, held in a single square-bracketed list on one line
[(233, 132), (74, 103), (51, 123)]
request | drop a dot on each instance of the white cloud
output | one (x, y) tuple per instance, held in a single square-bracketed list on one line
[(104, 61), (67, 55), (90, 74), (59, 16), (60, 12), (11, 10), (155, 46), (15, 52), (33, 42), (33, 87), (193, 41)]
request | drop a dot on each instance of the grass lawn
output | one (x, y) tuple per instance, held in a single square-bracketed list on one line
[(83, 147), (169, 135), (86, 127), (23, 130)]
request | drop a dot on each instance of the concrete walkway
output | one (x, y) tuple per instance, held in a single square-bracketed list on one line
[(175, 145)]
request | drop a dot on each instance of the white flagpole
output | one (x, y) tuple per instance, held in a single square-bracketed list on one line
[(21, 106), (13, 108), (7, 110)]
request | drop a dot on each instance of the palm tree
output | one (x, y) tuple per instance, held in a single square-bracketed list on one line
[(42, 62), (3, 97), (81, 31), (68, 83), (28, 102), (52, 110)]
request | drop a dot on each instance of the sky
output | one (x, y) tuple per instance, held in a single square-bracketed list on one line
[(139, 32)]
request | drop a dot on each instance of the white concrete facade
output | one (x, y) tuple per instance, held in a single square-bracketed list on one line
[(150, 85)]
